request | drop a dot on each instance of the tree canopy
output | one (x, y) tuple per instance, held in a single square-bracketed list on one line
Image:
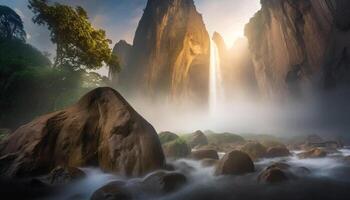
[(11, 25), (79, 44)]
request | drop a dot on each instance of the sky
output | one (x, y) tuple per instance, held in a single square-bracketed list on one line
[(120, 18)]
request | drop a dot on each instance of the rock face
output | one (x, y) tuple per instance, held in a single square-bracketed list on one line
[(170, 54), (235, 163), (102, 130), (294, 43), (164, 182), (114, 190)]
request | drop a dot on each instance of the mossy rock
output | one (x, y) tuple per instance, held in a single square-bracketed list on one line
[(167, 136), (176, 149)]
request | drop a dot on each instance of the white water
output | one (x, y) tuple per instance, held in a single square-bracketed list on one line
[(215, 82), (202, 178)]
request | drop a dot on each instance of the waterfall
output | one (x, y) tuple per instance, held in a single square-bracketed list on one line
[(215, 78)]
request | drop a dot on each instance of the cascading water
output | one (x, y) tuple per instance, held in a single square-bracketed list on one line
[(215, 78)]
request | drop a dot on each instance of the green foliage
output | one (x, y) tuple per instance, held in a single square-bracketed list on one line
[(11, 25), (31, 87), (78, 43), (17, 53)]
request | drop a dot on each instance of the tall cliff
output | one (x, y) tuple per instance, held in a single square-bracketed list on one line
[(294, 43), (170, 53)]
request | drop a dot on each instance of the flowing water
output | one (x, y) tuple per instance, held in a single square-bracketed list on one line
[(327, 174), (215, 82)]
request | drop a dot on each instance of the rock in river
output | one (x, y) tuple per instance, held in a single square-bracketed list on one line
[(101, 130)]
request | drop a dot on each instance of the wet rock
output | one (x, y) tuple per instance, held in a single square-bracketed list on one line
[(65, 175), (279, 165), (166, 137), (197, 139), (116, 190), (176, 149), (314, 153), (254, 149), (163, 182), (235, 163), (272, 175), (102, 130), (205, 154), (279, 151), (209, 162)]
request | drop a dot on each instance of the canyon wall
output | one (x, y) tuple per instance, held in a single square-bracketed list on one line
[(298, 43), (170, 52)]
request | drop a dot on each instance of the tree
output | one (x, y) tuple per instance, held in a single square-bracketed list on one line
[(79, 44), (11, 25)]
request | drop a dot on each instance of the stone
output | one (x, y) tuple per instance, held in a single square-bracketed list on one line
[(272, 175), (116, 190), (235, 163), (274, 152), (163, 182), (176, 149), (209, 162), (313, 153), (204, 154), (254, 149), (197, 139), (100, 130), (167, 136)]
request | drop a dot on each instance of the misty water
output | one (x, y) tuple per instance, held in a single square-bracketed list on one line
[(328, 176)]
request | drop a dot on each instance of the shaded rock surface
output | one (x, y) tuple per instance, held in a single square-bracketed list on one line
[(272, 175), (235, 163), (204, 154), (273, 152), (163, 182), (116, 190), (102, 130)]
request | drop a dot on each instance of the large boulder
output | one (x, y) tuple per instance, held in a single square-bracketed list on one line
[(313, 153), (197, 139), (272, 175), (205, 154), (235, 163), (254, 149), (176, 149), (280, 151), (167, 136), (101, 130), (163, 182), (116, 190)]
